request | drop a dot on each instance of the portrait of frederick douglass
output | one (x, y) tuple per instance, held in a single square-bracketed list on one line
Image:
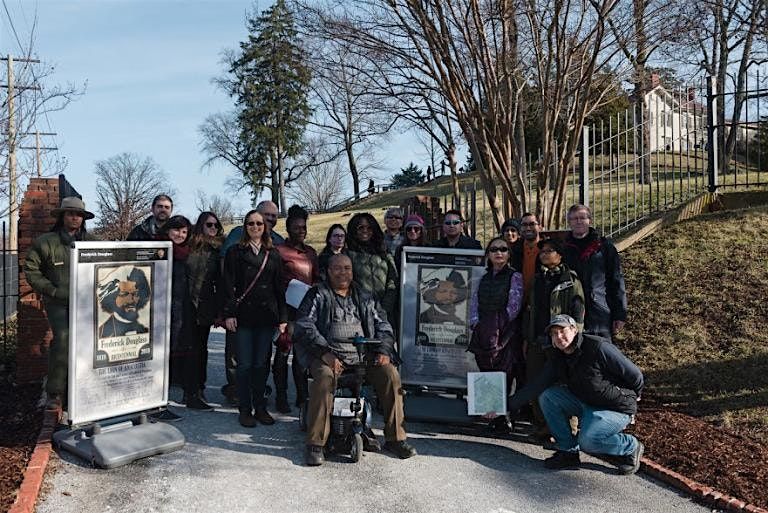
[(123, 294)]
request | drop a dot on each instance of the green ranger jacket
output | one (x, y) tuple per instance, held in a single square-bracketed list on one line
[(47, 266)]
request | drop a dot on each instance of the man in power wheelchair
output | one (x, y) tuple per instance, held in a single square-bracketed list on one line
[(331, 315)]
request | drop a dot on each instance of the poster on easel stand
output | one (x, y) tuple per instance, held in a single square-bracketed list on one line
[(120, 310), (436, 288)]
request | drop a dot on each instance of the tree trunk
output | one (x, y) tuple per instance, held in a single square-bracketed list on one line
[(450, 154)]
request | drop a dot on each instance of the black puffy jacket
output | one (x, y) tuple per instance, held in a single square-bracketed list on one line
[(597, 373)]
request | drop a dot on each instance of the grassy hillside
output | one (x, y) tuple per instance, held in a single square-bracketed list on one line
[(698, 300)]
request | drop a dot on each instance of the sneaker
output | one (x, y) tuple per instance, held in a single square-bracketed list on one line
[(281, 404), (165, 416), (195, 402), (246, 420), (263, 416), (630, 463), (313, 456), (401, 449), (562, 460)]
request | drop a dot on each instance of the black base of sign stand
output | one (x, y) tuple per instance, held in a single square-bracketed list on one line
[(113, 445), (443, 407)]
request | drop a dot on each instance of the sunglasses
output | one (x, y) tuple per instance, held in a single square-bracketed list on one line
[(498, 249), (415, 229), (211, 225), (452, 222), (255, 223)]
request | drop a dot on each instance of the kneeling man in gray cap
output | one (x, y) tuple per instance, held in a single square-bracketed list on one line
[(588, 378)]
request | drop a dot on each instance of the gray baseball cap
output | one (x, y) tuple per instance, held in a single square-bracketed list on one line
[(563, 321)]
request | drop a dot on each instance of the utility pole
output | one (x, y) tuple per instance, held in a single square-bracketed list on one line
[(38, 148), (13, 207)]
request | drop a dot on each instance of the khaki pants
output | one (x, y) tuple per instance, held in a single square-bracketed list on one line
[(385, 379)]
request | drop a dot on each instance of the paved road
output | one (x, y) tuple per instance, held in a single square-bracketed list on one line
[(225, 467)]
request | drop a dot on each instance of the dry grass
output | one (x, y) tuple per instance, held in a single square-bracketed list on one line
[(698, 297)]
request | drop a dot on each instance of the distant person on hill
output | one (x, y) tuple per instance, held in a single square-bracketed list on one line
[(393, 235), (597, 263), (453, 233), (589, 378), (150, 228)]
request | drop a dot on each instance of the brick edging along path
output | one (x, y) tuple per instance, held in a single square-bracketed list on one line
[(38, 462)]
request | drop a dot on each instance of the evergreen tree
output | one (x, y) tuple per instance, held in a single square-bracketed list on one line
[(270, 83), (408, 177)]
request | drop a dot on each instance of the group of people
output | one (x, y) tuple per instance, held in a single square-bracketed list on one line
[(543, 313)]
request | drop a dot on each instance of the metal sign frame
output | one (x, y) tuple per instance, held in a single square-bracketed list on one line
[(119, 328)]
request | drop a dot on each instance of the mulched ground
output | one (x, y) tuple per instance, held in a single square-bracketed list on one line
[(20, 421), (731, 463)]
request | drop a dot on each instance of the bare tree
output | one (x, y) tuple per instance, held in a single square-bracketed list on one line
[(219, 205), (33, 98), (125, 186), (478, 57), (725, 38), (320, 187), (349, 115)]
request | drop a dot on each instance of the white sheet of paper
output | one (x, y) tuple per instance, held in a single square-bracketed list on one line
[(296, 292), (486, 393)]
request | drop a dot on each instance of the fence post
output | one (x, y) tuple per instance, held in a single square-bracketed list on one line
[(712, 137), (584, 167)]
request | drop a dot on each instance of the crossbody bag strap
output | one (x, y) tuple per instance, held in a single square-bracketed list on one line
[(261, 269)]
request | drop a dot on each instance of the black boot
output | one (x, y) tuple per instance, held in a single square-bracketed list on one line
[(281, 403)]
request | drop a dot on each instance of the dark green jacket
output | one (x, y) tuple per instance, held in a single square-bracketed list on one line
[(47, 266), (377, 275), (566, 297)]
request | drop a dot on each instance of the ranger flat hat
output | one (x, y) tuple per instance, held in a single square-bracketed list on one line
[(72, 203)]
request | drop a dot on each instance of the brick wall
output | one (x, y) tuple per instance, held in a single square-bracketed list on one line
[(34, 335)]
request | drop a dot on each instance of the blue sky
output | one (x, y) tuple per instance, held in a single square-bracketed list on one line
[(148, 65)]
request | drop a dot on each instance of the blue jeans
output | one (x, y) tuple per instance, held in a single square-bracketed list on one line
[(253, 346), (599, 430)]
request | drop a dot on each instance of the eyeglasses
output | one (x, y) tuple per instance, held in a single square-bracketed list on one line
[(364, 227), (211, 225), (415, 229), (452, 222), (498, 249), (255, 223)]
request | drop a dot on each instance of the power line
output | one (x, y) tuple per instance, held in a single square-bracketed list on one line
[(31, 68), (13, 28)]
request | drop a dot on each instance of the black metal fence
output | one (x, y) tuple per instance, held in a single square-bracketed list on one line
[(9, 295)]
